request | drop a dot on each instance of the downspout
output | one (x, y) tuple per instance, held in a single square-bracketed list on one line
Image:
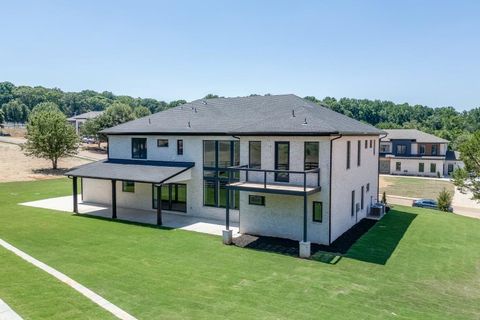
[(378, 171), (330, 193)]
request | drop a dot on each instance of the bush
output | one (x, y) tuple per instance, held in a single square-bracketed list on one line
[(444, 200), (384, 198)]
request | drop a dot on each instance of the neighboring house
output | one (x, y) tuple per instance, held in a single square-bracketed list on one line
[(78, 121), (278, 165), (413, 152)]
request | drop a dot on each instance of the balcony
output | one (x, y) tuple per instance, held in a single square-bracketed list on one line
[(274, 181)]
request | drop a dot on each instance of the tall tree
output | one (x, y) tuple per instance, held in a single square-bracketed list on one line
[(15, 111), (49, 136), (468, 178)]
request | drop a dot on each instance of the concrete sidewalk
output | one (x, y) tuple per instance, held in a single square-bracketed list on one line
[(6, 313)]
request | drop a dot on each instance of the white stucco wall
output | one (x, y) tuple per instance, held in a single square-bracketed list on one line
[(410, 167), (345, 180)]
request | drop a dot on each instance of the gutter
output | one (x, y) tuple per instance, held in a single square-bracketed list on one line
[(330, 192)]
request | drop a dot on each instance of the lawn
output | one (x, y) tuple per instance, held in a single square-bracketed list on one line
[(414, 187), (414, 263)]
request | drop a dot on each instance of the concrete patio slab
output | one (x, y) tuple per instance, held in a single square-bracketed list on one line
[(170, 219), (6, 313)]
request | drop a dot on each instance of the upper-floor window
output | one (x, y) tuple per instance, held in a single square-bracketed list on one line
[(348, 154), (179, 147), (371, 142), (162, 143), (359, 153), (366, 144), (139, 148), (384, 148), (255, 154), (282, 160), (311, 155), (401, 149), (434, 149), (421, 149)]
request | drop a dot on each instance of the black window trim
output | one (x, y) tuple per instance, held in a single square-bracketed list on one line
[(179, 147), (353, 204), (359, 153), (287, 176), (250, 154), (305, 154), (124, 186), (262, 202), (349, 147), (140, 155), (162, 140), (321, 211)]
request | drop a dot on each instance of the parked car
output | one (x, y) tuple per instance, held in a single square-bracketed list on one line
[(427, 203), (89, 140)]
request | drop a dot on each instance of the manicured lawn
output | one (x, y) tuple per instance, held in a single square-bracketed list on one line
[(414, 263), (414, 187)]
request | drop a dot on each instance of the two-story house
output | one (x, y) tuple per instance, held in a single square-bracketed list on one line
[(79, 120), (413, 152), (278, 165)]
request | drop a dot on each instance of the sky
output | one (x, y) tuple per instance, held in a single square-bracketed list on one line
[(420, 52)]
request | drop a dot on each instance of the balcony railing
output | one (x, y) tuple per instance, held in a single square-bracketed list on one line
[(244, 174)]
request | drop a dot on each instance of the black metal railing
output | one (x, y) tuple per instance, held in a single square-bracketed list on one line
[(247, 170)]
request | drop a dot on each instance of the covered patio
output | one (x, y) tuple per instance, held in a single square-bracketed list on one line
[(169, 219)]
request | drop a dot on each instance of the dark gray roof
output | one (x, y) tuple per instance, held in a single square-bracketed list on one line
[(86, 115), (257, 115), (452, 155), (412, 134), (131, 170)]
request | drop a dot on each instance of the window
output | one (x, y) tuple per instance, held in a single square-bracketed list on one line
[(433, 167), (348, 154), (368, 187), (311, 155), (398, 166), (282, 160), (209, 153), (256, 200), (374, 146), (421, 149), (173, 197), (353, 203), (421, 167), (139, 148), (450, 168), (371, 142), (210, 193), (401, 149), (128, 186), (359, 153), (362, 197), (317, 212), (366, 144), (179, 147), (384, 148), (255, 154), (162, 143), (434, 149)]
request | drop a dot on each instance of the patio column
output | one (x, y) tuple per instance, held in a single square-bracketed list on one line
[(227, 233), (305, 246), (159, 204), (114, 199), (75, 195)]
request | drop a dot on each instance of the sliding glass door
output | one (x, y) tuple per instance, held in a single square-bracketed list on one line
[(174, 197)]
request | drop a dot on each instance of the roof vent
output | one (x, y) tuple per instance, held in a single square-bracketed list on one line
[(204, 101), (188, 125), (293, 113), (304, 122)]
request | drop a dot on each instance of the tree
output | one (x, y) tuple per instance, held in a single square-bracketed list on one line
[(140, 112), (2, 117), (211, 96), (444, 200), (15, 111), (49, 136), (45, 106), (468, 178)]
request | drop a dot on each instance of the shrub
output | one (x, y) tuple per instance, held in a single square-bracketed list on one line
[(384, 198), (444, 200)]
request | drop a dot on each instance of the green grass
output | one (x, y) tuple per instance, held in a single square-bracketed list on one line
[(415, 187), (414, 263)]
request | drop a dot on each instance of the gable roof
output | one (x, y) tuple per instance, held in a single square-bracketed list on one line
[(86, 115), (255, 115), (412, 134)]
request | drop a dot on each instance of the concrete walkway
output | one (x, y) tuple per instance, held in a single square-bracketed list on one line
[(6, 313), (169, 219), (105, 304)]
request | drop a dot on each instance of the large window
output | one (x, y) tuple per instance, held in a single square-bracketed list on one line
[(217, 156), (433, 167), (401, 149), (139, 148), (317, 213), (384, 148), (311, 155), (282, 160), (421, 167), (348, 154), (421, 149), (128, 186), (173, 197), (434, 149), (255, 154)]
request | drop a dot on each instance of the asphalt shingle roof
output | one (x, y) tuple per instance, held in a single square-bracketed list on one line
[(412, 134), (256, 115), (86, 115)]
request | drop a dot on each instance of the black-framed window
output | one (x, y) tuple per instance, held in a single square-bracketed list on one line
[(128, 186), (371, 141), (398, 166), (374, 146), (162, 143), (217, 156), (173, 197), (359, 153), (434, 149), (366, 144), (362, 197), (401, 149), (450, 168), (353, 203), (368, 187), (433, 167), (282, 160), (317, 211), (256, 200), (421, 149), (139, 148), (179, 147), (421, 167), (255, 154), (348, 154), (311, 155)]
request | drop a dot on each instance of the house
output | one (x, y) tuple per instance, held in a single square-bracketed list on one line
[(277, 165), (78, 121), (413, 152)]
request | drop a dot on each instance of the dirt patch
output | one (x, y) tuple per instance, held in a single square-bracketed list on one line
[(15, 166)]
